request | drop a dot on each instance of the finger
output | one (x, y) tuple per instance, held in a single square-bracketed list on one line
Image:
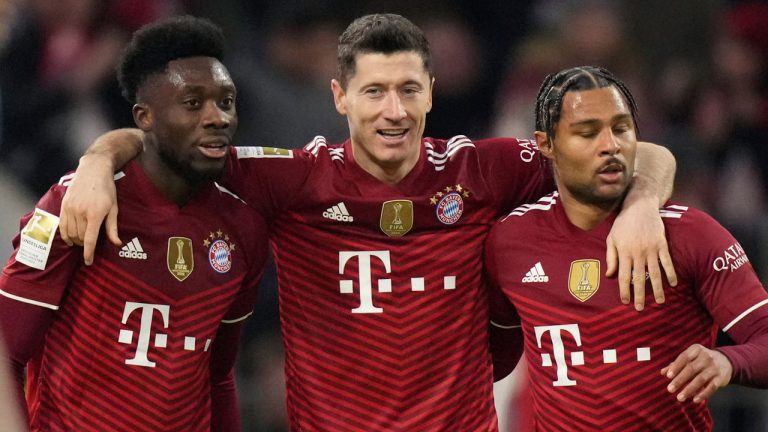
[(82, 227), (682, 359), (611, 259), (669, 267), (72, 231), (625, 275), (654, 271), (89, 243), (638, 283), (706, 392), (699, 382), (612, 264), (111, 226), (63, 224)]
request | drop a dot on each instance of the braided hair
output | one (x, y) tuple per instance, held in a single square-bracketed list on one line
[(549, 101)]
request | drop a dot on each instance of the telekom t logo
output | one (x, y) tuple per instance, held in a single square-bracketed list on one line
[(147, 312), (365, 280), (556, 334)]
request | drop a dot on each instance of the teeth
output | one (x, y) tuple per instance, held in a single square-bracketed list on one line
[(392, 133)]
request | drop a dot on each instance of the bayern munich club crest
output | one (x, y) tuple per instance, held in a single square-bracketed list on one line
[(450, 204), (219, 251)]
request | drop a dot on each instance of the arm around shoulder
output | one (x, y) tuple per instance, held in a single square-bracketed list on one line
[(91, 195)]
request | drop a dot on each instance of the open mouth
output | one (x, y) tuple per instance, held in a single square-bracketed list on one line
[(612, 172), (392, 133), (214, 148)]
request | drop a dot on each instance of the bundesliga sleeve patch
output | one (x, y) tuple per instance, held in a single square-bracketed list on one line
[(36, 239), (263, 152)]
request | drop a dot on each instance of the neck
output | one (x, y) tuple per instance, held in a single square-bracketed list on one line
[(586, 216), (387, 172), (172, 185)]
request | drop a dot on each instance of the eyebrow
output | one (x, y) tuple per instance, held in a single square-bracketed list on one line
[(617, 117)]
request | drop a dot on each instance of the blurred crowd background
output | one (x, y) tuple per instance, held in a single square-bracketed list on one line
[(698, 69)]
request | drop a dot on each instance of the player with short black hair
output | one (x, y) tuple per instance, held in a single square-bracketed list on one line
[(145, 339)]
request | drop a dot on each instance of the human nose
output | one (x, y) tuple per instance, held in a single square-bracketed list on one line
[(216, 117), (609, 142), (394, 109)]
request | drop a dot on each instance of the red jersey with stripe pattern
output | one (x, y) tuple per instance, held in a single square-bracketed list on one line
[(594, 363), (383, 313), (130, 340)]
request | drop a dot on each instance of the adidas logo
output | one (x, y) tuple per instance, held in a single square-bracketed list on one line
[(338, 213), (133, 250), (536, 274)]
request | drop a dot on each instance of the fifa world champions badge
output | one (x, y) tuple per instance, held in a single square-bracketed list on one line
[(449, 203), (180, 259), (396, 217), (220, 248)]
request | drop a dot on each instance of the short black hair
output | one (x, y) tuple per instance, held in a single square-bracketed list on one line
[(156, 44), (549, 102), (380, 33)]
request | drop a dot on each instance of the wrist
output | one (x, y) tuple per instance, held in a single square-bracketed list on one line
[(97, 161), (645, 191)]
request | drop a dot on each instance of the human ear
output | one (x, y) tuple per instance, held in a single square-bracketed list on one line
[(142, 116), (544, 144), (339, 97)]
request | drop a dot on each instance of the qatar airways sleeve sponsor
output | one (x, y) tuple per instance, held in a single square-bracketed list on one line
[(528, 149), (731, 259)]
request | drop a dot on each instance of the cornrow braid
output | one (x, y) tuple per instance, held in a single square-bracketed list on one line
[(549, 101)]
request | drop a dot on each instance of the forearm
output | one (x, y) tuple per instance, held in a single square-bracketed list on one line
[(23, 331), (749, 361), (225, 409), (114, 149), (654, 175)]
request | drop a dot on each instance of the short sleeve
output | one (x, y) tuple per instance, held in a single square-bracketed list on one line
[(515, 171), (723, 276), (41, 264)]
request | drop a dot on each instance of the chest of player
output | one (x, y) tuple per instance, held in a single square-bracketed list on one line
[(177, 252), (446, 202)]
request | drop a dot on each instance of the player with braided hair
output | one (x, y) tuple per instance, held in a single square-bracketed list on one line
[(592, 363)]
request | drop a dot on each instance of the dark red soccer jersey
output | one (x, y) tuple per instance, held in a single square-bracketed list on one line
[(383, 314), (593, 362), (132, 334)]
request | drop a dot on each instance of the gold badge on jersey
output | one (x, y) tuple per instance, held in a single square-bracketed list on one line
[(396, 217), (180, 259), (584, 278)]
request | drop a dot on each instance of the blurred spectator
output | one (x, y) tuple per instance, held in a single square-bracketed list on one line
[(568, 33), (58, 81), (730, 121), (287, 89)]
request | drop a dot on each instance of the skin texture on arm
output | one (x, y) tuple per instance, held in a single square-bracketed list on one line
[(91, 195), (636, 241)]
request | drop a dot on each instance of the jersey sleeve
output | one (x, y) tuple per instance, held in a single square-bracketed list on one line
[(267, 178), (729, 288), (255, 250), (41, 264), (515, 171), (506, 336)]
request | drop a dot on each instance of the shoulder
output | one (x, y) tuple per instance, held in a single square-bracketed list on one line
[(541, 208), (697, 234), (678, 217)]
